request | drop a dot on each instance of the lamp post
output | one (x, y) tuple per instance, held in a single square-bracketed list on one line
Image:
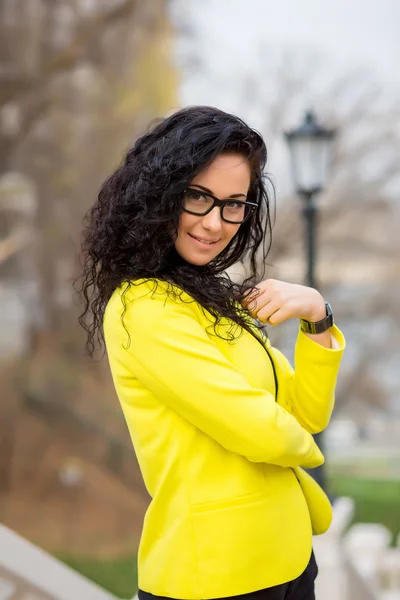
[(310, 147)]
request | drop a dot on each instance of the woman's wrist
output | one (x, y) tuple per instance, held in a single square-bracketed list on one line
[(321, 324), (317, 310), (323, 339)]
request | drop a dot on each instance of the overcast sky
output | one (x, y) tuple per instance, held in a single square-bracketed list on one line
[(226, 40), (350, 33)]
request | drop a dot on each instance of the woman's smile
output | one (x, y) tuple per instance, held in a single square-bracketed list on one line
[(203, 242)]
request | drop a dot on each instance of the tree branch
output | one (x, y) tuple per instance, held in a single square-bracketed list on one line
[(67, 58)]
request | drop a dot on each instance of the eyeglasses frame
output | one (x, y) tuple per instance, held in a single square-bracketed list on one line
[(220, 203)]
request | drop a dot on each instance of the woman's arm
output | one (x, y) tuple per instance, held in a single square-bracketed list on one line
[(172, 355), (308, 391), (317, 356)]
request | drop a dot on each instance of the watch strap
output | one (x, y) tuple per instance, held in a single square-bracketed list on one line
[(320, 326)]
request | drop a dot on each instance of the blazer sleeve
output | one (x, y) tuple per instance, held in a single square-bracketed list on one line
[(310, 387), (171, 354)]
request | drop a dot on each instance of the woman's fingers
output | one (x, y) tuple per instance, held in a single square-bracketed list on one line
[(266, 312), (270, 305), (273, 302), (256, 302), (250, 297), (278, 317)]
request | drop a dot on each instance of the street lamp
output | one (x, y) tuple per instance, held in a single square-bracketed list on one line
[(310, 148)]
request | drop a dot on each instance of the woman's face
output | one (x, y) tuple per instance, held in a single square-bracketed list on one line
[(201, 238)]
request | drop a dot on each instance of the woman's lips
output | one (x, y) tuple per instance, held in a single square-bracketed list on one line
[(203, 244)]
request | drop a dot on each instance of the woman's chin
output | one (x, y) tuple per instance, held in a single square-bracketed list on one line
[(195, 259), (198, 261)]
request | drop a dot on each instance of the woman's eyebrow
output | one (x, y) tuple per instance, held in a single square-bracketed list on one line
[(212, 193)]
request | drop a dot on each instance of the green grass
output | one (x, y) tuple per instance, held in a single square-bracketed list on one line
[(376, 501), (118, 575)]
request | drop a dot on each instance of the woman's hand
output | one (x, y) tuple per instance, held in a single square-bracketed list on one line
[(277, 301)]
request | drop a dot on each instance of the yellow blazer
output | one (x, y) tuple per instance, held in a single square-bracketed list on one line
[(216, 452)]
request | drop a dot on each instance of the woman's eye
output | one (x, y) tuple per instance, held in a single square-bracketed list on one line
[(195, 196), (234, 205)]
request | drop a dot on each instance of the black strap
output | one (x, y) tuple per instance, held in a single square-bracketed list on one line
[(260, 337)]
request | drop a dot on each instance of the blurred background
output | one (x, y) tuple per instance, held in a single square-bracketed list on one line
[(79, 81)]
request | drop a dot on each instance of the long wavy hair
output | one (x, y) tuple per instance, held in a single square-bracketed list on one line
[(129, 232)]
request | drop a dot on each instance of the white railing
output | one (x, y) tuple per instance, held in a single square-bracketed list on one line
[(372, 561), (356, 563), (26, 571)]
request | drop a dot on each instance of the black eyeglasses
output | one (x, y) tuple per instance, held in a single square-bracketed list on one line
[(197, 202)]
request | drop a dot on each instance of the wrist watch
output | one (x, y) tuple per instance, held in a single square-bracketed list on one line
[(319, 326)]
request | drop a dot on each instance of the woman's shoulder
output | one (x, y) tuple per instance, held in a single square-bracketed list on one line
[(146, 298)]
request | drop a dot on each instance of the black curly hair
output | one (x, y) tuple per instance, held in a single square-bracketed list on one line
[(129, 232)]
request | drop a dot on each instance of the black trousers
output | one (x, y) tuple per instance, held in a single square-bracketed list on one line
[(301, 588)]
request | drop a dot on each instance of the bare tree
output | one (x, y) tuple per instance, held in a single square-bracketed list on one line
[(79, 79), (71, 98)]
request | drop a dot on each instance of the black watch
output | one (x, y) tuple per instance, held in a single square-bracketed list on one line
[(319, 326)]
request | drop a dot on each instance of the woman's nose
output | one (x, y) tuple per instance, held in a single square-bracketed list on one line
[(213, 220)]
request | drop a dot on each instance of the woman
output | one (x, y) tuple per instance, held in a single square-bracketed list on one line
[(218, 419)]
